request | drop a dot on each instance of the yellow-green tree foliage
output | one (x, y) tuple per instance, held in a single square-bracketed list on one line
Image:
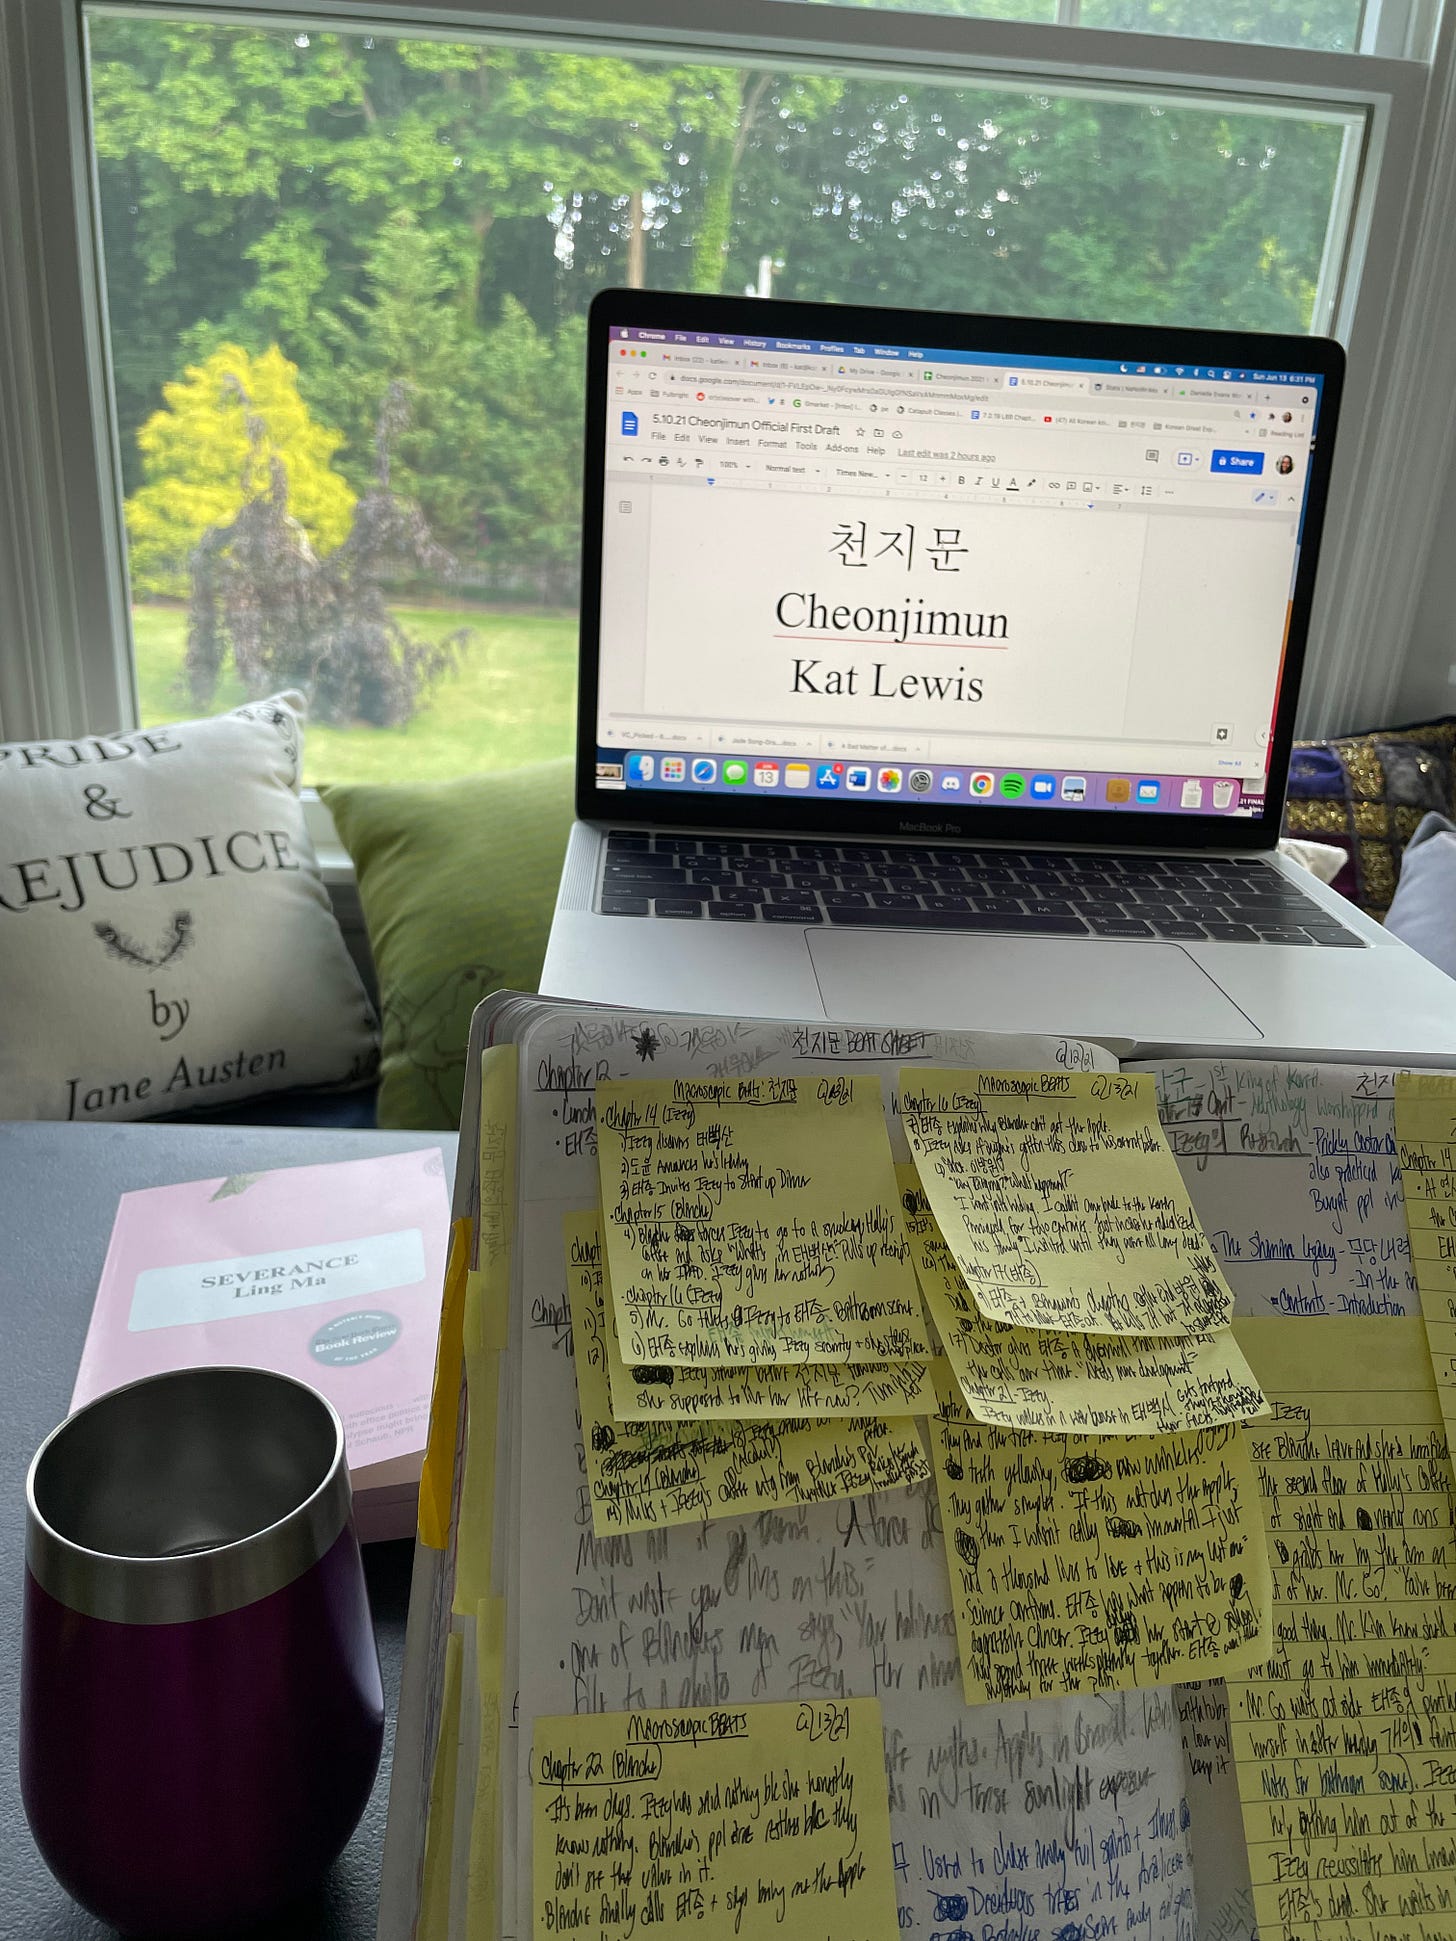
[(200, 465)]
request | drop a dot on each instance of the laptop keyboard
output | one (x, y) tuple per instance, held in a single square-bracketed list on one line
[(732, 879)]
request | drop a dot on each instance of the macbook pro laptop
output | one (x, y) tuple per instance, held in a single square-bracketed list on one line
[(941, 671)]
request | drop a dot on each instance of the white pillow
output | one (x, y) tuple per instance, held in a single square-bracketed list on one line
[(1423, 910), (166, 941)]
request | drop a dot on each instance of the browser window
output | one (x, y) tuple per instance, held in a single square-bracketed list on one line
[(880, 570)]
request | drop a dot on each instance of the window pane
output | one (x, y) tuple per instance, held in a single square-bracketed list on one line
[(1330, 24), (347, 278)]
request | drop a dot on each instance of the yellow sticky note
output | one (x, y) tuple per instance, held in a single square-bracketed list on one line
[(483, 1876), (767, 1819), (1061, 1202), (755, 1220), (1346, 1744), (1072, 1384), (437, 1473), (487, 1305), (674, 1393), (1097, 1563), (496, 1193), (435, 1876), (650, 1476), (475, 1512)]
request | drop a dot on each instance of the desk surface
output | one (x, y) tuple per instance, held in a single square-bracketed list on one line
[(59, 1186)]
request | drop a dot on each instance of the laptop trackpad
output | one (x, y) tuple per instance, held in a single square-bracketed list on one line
[(1146, 991)]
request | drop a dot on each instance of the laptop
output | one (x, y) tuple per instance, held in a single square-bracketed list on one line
[(942, 670)]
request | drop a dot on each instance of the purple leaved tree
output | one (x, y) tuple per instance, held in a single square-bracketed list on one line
[(291, 619)]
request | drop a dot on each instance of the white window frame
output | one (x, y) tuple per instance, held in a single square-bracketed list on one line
[(65, 661)]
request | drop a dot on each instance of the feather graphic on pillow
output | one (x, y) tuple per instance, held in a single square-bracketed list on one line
[(177, 938)]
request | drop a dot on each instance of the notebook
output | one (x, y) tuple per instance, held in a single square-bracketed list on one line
[(1015, 1817)]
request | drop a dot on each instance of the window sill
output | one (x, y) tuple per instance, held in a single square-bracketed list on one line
[(334, 861)]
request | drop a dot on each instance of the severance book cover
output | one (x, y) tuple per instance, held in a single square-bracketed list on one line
[(329, 1273)]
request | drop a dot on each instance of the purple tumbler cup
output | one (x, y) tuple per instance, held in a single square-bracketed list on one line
[(201, 1707)]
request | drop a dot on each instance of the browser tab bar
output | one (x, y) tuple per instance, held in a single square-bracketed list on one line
[(1046, 380)]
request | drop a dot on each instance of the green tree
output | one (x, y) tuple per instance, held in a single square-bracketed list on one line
[(405, 329), (210, 145), (492, 449), (532, 388), (202, 462), (985, 199), (732, 107), (467, 134), (439, 213)]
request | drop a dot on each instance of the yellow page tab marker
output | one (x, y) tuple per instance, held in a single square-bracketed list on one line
[(1061, 1202), (769, 1819), (1097, 1563), (674, 1394), (1072, 1384), (1346, 1745), (483, 1876), (755, 1220), (647, 1477), (438, 1865), (437, 1474), (496, 1192)]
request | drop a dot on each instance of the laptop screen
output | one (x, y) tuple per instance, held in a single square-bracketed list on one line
[(840, 570)]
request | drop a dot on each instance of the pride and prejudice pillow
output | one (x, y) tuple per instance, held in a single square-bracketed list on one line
[(166, 940)]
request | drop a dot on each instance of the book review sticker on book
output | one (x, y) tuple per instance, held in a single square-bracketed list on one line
[(165, 934)]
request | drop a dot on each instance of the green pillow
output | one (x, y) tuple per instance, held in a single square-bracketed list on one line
[(457, 882)]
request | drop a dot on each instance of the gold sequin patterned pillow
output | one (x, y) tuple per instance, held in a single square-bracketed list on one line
[(1367, 793)]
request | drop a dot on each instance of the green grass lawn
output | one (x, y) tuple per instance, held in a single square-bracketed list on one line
[(511, 698)]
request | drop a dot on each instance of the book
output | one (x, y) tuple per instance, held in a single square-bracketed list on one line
[(329, 1273), (1119, 1809)]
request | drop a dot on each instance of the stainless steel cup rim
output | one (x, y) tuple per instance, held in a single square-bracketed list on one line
[(195, 1581)]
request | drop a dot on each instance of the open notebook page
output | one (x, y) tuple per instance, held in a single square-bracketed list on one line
[(1293, 1170), (997, 1811)]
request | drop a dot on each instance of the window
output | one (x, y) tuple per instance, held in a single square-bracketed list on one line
[(264, 206), (341, 266)]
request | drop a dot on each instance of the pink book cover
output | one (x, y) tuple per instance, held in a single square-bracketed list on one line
[(330, 1273)]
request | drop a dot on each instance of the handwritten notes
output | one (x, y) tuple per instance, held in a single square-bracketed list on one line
[(651, 1476), (755, 1220), (1072, 1384), (1060, 1201), (1222, 1889), (1346, 1744), (675, 1394), (732, 1822), (1294, 1171), (1097, 1563), (1022, 1819)]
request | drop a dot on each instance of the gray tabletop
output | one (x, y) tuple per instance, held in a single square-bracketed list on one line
[(59, 1186)]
